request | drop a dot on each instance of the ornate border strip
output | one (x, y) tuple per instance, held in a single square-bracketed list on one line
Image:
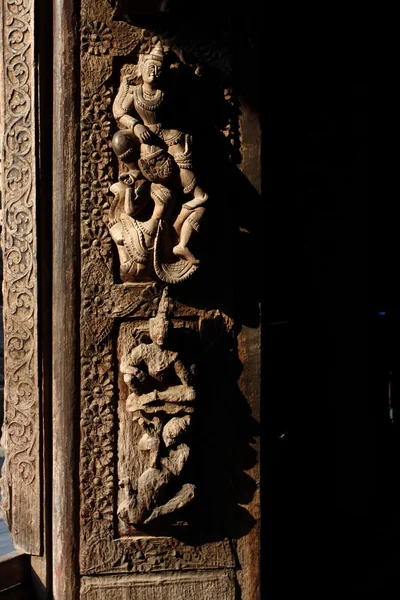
[(101, 40), (21, 482)]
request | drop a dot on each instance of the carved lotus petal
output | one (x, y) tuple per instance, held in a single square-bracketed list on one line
[(96, 38)]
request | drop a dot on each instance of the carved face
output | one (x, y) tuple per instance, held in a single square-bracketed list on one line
[(151, 70), (158, 330)]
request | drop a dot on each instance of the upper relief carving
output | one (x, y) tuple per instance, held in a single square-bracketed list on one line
[(159, 203)]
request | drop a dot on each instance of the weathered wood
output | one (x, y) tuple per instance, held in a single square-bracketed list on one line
[(159, 512), (140, 457), (212, 585), (161, 401), (249, 351), (41, 565), (249, 547), (65, 298), (21, 479)]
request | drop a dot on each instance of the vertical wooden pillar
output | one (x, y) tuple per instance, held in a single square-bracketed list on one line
[(65, 298)]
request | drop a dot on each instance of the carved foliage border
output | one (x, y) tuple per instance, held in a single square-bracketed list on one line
[(19, 243), (101, 40)]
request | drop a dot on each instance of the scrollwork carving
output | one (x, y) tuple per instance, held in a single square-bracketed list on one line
[(97, 446), (96, 174), (144, 554), (21, 424)]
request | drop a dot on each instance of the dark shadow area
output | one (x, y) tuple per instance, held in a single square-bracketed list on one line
[(330, 448), (226, 434), (213, 35), (329, 259)]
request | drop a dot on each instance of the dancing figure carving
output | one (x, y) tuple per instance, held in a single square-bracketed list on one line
[(150, 223)]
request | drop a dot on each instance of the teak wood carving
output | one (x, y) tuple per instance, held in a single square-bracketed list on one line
[(162, 411), (158, 201), (162, 400), (21, 481), (145, 504)]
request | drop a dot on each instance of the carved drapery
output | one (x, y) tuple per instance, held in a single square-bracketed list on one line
[(21, 473)]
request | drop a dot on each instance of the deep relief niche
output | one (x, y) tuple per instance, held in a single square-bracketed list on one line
[(159, 202)]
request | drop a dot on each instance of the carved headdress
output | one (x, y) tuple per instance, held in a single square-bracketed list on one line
[(160, 324), (156, 53)]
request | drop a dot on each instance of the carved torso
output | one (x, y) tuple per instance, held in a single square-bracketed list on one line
[(158, 360), (160, 111)]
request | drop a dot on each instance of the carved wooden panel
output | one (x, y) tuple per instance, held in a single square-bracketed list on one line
[(160, 403), (21, 474)]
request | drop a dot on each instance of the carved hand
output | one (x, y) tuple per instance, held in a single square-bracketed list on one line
[(142, 133)]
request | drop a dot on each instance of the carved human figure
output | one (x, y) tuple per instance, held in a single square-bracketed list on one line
[(155, 152), (161, 400)]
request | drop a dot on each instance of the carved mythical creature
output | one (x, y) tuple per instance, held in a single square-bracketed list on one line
[(161, 401), (146, 221)]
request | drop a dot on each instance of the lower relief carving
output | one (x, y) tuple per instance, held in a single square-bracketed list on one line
[(139, 509), (160, 405)]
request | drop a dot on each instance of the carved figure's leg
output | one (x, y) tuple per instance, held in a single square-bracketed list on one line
[(150, 484), (192, 212), (187, 221), (161, 196)]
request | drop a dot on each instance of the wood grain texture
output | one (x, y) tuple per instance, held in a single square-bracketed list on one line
[(211, 585), (159, 565), (65, 298)]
